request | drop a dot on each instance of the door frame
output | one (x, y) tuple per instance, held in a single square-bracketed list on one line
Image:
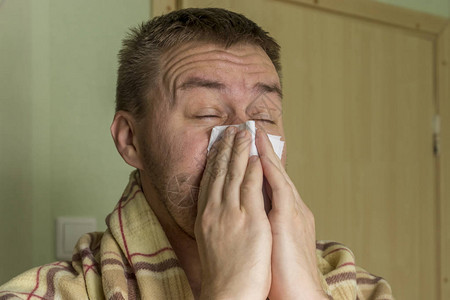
[(434, 28)]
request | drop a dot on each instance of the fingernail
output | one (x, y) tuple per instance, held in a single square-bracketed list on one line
[(242, 133), (253, 158), (257, 133), (230, 130)]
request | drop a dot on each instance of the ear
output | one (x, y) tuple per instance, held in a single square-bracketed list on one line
[(123, 132)]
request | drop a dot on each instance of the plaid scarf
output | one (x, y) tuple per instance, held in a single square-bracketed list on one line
[(133, 259)]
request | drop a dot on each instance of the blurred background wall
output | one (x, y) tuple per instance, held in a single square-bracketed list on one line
[(58, 62)]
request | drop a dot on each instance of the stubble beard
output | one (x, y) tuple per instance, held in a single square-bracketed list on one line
[(178, 192)]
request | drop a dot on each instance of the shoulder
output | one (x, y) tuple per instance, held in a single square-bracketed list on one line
[(42, 282), (62, 279), (341, 275)]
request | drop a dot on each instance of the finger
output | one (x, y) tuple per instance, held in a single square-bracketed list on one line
[(203, 188), (237, 168), (283, 195), (265, 148), (266, 151), (211, 185), (251, 188)]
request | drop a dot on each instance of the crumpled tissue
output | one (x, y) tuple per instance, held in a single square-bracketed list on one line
[(276, 141)]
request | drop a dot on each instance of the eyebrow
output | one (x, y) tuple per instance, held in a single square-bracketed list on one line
[(195, 82), (260, 87), (268, 88)]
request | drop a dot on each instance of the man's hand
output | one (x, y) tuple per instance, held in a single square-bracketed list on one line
[(294, 262), (232, 230)]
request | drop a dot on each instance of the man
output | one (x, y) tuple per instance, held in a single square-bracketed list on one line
[(192, 223)]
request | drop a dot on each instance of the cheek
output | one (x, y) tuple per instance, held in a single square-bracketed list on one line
[(194, 148)]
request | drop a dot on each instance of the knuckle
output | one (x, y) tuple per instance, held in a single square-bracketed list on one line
[(226, 143), (241, 144), (216, 171), (247, 187), (221, 159), (206, 220), (232, 176)]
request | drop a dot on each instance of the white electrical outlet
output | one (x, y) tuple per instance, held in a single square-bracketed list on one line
[(68, 231)]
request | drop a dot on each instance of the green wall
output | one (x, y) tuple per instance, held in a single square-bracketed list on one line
[(15, 139), (58, 62), (435, 7)]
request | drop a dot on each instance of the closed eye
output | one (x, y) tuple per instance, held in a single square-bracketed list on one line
[(215, 116), (207, 116), (264, 120)]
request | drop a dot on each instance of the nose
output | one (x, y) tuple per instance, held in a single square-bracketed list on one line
[(238, 118)]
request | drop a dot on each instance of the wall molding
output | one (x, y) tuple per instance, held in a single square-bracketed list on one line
[(380, 12), (443, 161)]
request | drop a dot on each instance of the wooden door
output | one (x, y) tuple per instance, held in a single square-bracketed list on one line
[(358, 111)]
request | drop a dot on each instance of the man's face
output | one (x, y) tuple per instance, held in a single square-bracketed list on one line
[(202, 86)]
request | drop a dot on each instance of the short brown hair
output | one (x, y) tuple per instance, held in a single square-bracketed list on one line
[(139, 56)]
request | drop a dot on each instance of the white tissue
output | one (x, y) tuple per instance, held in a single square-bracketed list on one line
[(276, 141)]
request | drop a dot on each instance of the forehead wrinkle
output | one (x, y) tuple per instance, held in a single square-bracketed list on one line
[(212, 58), (193, 50), (175, 79), (188, 68), (171, 79), (178, 61), (215, 65), (170, 62), (171, 68)]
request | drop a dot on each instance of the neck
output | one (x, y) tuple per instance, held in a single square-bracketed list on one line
[(186, 250), (185, 246)]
